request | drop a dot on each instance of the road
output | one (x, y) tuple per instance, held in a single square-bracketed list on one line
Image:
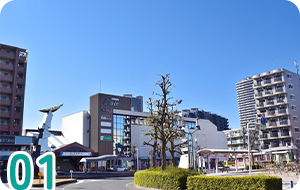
[(99, 184)]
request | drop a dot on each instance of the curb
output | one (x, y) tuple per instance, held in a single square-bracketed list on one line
[(57, 184)]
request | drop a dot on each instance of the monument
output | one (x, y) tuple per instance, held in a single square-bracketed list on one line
[(41, 143)]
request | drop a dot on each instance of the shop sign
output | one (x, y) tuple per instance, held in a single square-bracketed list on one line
[(106, 110), (106, 117), (105, 131), (105, 138), (7, 140), (111, 102), (75, 154)]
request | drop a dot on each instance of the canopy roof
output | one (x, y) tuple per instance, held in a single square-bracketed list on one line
[(99, 158), (224, 151)]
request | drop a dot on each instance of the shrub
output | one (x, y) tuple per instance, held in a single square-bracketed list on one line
[(254, 166), (171, 178), (259, 182), (229, 163)]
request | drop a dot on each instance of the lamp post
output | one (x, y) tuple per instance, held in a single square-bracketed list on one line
[(249, 155), (189, 137)]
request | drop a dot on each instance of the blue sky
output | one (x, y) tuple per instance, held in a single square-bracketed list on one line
[(206, 46)]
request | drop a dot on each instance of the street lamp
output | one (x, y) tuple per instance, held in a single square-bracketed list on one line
[(189, 138)]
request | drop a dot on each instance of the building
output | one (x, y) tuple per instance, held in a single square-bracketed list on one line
[(13, 63), (9, 144), (246, 102), (79, 122), (136, 102), (236, 139), (276, 97), (68, 154), (220, 121), (115, 128)]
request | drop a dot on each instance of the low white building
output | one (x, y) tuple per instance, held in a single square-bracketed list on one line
[(75, 127)]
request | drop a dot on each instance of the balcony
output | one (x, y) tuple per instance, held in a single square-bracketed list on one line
[(4, 128), (279, 89), (264, 136), (277, 79), (282, 112), (261, 104), (21, 69), (6, 78), (265, 147), (280, 101), (4, 66), (5, 114), (7, 55), (5, 102), (5, 90), (274, 134), (267, 81), (285, 134), (271, 113), (126, 144), (270, 103), (17, 128), (21, 80), (126, 123), (19, 103), (20, 91), (284, 122), (268, 92)]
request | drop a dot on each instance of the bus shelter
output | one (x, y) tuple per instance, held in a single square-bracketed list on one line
[(87, 161), (226, 153)]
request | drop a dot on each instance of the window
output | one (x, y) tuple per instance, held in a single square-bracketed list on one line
[(289, 76), (295, 119), (297, 140), (290, 86), (294, 108), (292, 97), (297, 129)]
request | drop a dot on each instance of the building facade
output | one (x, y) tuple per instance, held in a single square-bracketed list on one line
[(79, 122), (277, 97), (13, 63), (136, 102), (220, 121), (246, 101), (237, 139)]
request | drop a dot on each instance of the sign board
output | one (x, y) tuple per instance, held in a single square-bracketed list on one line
[(7, 140), (75, 154), (105, 138), (108, 117), (263, 121), (105, 124), (105, 131)]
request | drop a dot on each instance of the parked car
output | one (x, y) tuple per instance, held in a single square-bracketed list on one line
[(119, 169)]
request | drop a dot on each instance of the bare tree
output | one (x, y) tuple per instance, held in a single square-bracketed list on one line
[(162, 120)]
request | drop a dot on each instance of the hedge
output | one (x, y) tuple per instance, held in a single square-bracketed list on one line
[(257, 182), (171, 178), (229, 163), (254, 166)]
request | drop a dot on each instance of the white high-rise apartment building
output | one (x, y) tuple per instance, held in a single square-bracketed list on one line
[(277, 97), (246, 102)]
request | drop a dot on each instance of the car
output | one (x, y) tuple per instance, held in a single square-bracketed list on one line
[(119, 169)]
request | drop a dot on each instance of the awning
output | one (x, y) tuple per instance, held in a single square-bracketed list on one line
[(99, 158)]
